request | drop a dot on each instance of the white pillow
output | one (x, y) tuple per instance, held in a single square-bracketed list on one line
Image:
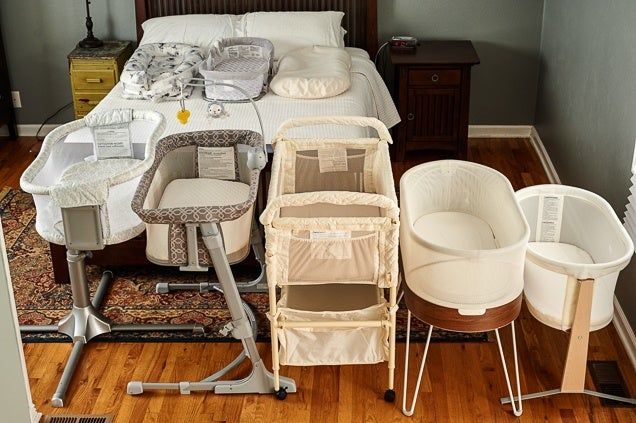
[(198, 30), (291, 30), (313, 72)]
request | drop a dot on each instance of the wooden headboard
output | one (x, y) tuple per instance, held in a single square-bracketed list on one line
[(360, 20)]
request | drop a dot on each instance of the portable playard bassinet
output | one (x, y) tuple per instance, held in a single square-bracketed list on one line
[(241, 61), (331, 226)]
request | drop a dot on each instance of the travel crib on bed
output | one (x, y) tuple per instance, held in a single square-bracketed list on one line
[(331, 227), (241, 61)]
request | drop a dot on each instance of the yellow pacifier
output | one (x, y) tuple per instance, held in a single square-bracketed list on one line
[(183, 115)]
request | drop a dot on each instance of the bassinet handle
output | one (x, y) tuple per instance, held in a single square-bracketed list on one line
[(361, 121)]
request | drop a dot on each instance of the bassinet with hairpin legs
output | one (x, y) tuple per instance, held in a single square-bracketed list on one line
[(331, 228), (198, 198), (85, 205), (463, 241)]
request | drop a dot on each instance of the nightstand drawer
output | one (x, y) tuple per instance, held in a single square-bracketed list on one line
[(86, 101), (434, 77), (101, 80)]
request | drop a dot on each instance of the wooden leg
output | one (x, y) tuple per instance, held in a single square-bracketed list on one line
[(576, 360)]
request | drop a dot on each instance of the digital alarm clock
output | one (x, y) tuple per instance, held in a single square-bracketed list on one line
[(403, 42)]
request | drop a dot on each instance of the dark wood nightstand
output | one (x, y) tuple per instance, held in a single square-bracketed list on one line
[(95, 71), (433, 94)]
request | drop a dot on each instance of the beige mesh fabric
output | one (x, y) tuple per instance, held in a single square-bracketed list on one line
[(331, 228)]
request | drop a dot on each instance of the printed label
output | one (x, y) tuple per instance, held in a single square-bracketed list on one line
[(112, 142), (332, 160), (216, 163), (549, 219), (244, 51), (329, 235)]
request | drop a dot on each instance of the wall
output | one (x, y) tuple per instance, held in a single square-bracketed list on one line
[(38, 34), (506, 35), (586, 105)]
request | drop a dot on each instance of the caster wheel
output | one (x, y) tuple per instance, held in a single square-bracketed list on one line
[(389, 395), (281, 394)]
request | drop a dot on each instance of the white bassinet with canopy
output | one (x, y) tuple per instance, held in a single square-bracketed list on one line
[(577, 249), (463, 242), (331, 227)]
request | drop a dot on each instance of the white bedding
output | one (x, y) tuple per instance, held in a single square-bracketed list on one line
[(368, 96)]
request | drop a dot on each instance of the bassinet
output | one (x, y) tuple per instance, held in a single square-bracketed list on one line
[(331, 228), (241, 61)]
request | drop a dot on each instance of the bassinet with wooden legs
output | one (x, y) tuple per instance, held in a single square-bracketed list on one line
[(577, 249), (84, 204), (198, 199), (463, 241), (331, 227)]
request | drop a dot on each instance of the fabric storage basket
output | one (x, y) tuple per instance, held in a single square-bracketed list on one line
[(332, 303), (241, 61), (575, 235)]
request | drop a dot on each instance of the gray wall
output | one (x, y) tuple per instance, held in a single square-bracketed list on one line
[(39, 34), (506, 35), (586, 106)]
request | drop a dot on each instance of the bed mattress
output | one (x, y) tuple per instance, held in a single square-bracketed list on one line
[(368, 96)]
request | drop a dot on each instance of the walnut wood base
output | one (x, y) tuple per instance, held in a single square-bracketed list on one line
[(449, 319)]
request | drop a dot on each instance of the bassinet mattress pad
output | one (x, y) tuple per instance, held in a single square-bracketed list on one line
[(154, 70), (313, 72), (368, 96), (201, 192)]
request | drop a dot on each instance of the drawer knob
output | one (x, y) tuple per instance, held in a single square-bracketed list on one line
[(410, 116), (94, 80), (435, 77)]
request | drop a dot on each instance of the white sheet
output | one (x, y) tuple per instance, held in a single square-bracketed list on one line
[(368, 96)]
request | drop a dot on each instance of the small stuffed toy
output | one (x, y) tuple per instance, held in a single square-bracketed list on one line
[(183, 115), (216, 110)]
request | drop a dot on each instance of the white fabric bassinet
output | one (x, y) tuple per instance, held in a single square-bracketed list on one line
[(575, 235), (60, 176), (463, 238), (331, 227)]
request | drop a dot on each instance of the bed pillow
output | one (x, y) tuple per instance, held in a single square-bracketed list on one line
[(313, 72), (291, 30), (199, 30)]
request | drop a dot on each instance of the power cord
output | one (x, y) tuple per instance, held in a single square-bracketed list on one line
[(37, 134), (36, 147)]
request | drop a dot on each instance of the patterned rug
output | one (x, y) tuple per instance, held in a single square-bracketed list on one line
[(131, 298)]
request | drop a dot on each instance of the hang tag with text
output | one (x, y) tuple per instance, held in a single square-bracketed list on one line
[(216, 163), (549, 219), (112, 142), (332, 160)]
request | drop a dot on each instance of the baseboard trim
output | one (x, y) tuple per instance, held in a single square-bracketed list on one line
[(499, 131), (29, 130), (548, 166), (625, 332)]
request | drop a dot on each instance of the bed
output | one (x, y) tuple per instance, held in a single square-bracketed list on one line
[(368, 95)]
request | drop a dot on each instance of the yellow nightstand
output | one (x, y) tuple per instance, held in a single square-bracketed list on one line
[(94, 72)]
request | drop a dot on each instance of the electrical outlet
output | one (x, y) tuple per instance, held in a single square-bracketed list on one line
[(15, 96)]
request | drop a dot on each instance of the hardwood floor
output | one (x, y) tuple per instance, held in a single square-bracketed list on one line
[(462, 383)]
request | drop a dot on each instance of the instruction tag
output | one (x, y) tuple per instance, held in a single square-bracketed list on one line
[(332, 160), (216, 163), (112, 142), (244, 50), (549, 219), (329, 235)]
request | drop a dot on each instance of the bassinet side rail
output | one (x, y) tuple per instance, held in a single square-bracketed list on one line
[(361, 121)]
